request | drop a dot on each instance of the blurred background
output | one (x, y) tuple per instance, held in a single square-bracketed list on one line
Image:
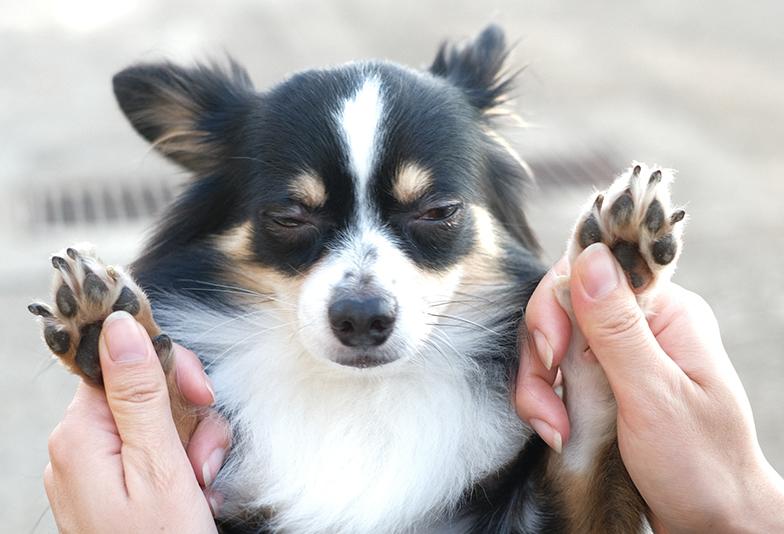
[(697, 86)]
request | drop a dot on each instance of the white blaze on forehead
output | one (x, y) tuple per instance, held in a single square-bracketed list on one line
[(359, 122)]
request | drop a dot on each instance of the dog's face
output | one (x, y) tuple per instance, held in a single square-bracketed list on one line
[(359, 198)]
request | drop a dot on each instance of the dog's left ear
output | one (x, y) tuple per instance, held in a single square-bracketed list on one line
[(477, 67), (189, 114)]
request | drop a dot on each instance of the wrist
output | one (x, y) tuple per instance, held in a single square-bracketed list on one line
[(761, 506)]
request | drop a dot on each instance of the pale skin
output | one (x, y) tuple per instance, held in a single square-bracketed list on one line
[(685, 427)]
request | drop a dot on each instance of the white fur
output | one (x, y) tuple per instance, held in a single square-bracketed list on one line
[(372, 255), (333, 449), (359, 120)]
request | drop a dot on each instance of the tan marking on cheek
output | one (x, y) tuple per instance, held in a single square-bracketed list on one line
[(244, 273), (411, 183), (236, 243), (483, 271), (486, 235), (309, 189)]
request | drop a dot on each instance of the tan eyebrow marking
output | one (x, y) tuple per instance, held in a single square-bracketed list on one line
[(411, 182), (309, 189)]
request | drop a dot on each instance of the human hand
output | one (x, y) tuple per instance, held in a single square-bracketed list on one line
[(685, 427), (116, 460)]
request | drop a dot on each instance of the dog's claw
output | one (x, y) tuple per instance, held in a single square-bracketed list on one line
[(41, 310)]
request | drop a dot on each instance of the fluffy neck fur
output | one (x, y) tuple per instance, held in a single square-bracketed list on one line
[(321, 448)]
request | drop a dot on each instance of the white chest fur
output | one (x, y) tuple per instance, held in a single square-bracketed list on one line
[(332, 449)]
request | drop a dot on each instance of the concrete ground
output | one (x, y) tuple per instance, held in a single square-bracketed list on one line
[(697, 86)]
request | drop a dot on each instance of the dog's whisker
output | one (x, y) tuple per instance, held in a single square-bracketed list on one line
[(243, 290), (464, 320), (243, 317), (244, 340), (224, 286)]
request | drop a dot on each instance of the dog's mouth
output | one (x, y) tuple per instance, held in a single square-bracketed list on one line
[(364, 361)]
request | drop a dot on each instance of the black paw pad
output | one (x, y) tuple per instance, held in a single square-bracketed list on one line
[(622, 209), (637, 271), (664, 249), (87, 353), (59, 341), (66, 301), (654, 217), (589, 232), (94, 287), (163, 348), (127, 301)]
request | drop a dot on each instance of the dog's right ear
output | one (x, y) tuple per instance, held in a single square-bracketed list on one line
[(188, 114), (477, 67)]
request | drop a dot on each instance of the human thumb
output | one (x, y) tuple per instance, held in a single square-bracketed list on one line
[(135, 384), (614, 325)]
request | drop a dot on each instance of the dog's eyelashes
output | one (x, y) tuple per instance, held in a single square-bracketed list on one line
[(289, 222), (291, 217), (440, 213)]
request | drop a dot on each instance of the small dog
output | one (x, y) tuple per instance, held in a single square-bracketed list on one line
[(350, 260)]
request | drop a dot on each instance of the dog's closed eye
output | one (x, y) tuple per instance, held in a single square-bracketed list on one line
[(440, 212)]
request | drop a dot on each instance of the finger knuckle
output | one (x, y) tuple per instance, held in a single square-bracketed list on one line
[(57, 444), (48, 478), (698, 305), (140, 390), (620, 322)]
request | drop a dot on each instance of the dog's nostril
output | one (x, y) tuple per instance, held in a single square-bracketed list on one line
[(362, 321), (346, 327)]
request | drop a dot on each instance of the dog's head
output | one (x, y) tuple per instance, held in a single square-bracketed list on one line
[(359, 198)]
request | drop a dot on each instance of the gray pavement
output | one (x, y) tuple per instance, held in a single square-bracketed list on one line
[(697, 86)]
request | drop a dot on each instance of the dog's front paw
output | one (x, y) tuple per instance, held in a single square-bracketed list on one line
[(85, 292), (634, 218)]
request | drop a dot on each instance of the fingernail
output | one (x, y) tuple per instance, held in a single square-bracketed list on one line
[(543, 349), (210, 468), (215, 500), (550, 435), (124, 338), (208, 385), (598, 274)]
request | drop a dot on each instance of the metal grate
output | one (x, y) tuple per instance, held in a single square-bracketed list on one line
[(98, 202)]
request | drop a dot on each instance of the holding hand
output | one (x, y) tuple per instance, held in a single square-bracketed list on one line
[(116, 461), (685, 427)]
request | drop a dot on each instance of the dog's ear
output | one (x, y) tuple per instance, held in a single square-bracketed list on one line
[(188, 114), (477, 67)]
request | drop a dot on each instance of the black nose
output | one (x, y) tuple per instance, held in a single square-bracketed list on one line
[(362, 321)]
